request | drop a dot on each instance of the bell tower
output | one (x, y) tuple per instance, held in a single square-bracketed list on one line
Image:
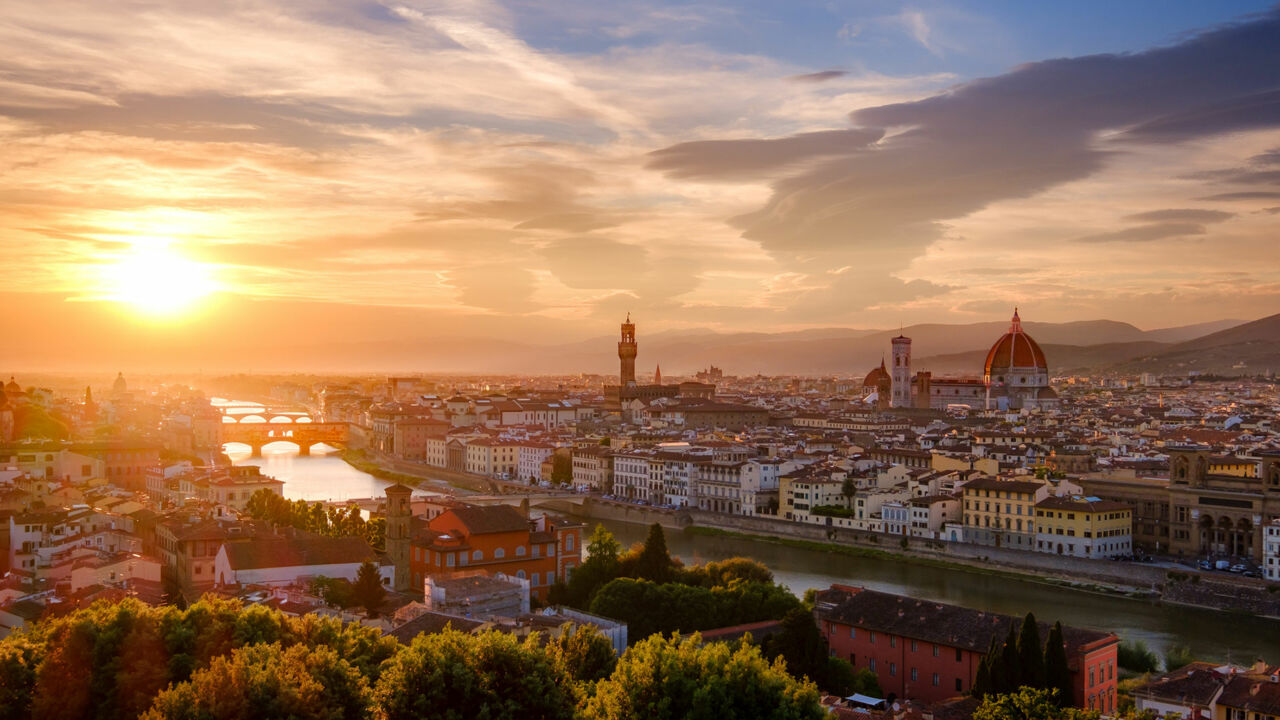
[(397, 539), (901, 372), (627, 353)]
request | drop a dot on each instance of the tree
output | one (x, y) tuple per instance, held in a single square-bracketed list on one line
[(801, 646), (561, 468), (1028, 704), (666, 678), (455, 675), (1178, 656), (1135, 656), (654, 561), (1031, 653), (1011, 662), (367, 591), (1057, 676), (269, 681), (847, 489), (582, 655)]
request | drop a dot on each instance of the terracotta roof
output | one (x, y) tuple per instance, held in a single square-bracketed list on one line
[(299, 552), (1252, 693), (431, 623), (1195, 684), (934, 622), (480, 520)]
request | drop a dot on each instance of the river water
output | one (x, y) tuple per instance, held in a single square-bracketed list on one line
[(1211, 635)]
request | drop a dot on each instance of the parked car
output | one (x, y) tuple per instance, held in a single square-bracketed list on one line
[(1206, 565), (1237, 568)]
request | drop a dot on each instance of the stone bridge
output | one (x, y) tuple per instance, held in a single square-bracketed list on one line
[(552, 500), (277, 414), (304, 435)]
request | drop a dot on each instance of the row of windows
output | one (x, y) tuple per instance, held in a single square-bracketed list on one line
[(915, 672), (893, 641)]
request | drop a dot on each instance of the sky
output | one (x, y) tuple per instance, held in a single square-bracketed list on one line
[(539, 169)]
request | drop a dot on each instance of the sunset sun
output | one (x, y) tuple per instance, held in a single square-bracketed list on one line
[(158, 281)]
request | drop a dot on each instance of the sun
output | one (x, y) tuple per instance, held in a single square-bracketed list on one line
[(158, 281)]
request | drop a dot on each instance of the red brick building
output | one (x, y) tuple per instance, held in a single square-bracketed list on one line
[(929, 652), (496, 538)]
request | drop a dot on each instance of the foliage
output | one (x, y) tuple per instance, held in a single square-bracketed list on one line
[(452, 675), (847, 488), (583, 657), (1057, 676), (561, 468), (654, 561), (600, 566), (1031, 653), (32, 422), (665, 678), (649, 607), (805, 652), (1134, 655), (110, 660), (1178, 656), (336, 592), (367, 591), (1029, 704), (269, 681), (316, 518)]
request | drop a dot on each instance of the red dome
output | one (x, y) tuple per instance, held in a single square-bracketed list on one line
[(876, 376), (1015, 350)]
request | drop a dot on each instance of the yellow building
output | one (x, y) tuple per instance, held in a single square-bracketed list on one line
[(1084, 527), (1002, 512)]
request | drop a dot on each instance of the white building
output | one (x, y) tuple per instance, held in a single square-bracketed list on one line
[(285, 561), (1271, 550)]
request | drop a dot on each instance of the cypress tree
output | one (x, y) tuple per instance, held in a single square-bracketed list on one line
[(997, 674), (1057, 675), (654, 562), (982, 681), (1031, 653), (1012, 666)]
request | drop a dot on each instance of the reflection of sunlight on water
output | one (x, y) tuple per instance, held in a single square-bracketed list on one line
[(322, 476)]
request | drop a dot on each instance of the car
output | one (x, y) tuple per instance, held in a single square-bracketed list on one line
[(1237, 568), (1252, 573), (1206, 565)]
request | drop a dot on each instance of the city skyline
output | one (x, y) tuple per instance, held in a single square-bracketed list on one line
[(479, 170)]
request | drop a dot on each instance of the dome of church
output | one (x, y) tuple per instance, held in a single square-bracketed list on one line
[(1015, 349), (120, 385), (12, 386), (876, 376)]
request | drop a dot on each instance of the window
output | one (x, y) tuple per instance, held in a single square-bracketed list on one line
[(477, 555), (958, 659), (913, 646), (520, 551), (936, 679), (915, 674), (568, 543), (959, 685), (520, 574), (499, 554), (449, 559), (893, 669), (935, 649), (893, 641), (872, 637)]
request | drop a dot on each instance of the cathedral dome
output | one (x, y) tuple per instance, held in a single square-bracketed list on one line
[(1015, 349), (12, 387), (876, 376)]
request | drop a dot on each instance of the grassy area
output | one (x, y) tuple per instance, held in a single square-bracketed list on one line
[(360, 461), (858, 551)]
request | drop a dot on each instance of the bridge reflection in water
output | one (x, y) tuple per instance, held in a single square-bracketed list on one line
[(303, 435)]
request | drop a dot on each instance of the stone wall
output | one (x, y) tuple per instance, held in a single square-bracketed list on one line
[(1192, 589)]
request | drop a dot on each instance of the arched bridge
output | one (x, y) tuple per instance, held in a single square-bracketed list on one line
[(534, 499), (304, 435), (278, 414)]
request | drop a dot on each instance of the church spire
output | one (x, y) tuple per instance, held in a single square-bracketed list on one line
[(657, 376)]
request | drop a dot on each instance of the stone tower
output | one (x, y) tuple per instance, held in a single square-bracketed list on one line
[(627, 353), (398, 514), (901, 373)]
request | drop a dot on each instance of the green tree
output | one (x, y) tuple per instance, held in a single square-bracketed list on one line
[(802, 647), (268, 681), (561, 468), (367, 591), (1133, 655), (665, 679), (1010, 660), (20, 656), (452, 675), (1028, 704), (581, 655), (1031, 653), (982, 680), (847, 489), (1056, 673), (336, 592), (600, 566), (654, 561), (1178, 656)]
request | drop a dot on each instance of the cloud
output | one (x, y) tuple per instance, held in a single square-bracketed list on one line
[(1247, 195), (1147, 233), (817, 77), (749, 159), (1185, 215)]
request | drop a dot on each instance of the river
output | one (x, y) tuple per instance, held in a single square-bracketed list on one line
[(1211, 634)]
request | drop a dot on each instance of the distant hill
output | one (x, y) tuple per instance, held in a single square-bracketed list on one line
[(1064, 359), (1246, 349)]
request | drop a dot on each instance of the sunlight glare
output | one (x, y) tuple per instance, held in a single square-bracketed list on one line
[(158, 281)]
